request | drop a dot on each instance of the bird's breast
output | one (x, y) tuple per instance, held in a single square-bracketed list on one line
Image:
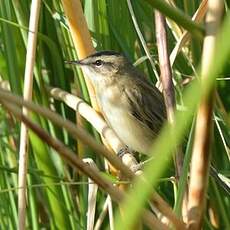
[(117, 112)]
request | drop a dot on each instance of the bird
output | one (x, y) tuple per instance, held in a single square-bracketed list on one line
[(132, 106)]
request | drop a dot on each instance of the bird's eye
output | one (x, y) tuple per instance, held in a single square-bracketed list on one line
[(98, 63)]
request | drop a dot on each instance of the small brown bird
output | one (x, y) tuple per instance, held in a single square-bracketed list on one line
[(132, 106)]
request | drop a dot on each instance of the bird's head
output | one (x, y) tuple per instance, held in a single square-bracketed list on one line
[(104, 64)]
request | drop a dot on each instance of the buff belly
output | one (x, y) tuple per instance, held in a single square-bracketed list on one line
[(130, 130)]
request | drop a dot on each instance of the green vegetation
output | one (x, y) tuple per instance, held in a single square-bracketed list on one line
[(57, 194)]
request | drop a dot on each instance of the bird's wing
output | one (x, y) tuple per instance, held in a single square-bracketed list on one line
[(147, 104)]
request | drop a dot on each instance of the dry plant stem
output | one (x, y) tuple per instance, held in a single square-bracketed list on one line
[(200, 163), (27, 94), (201, 149), (81, 134), (166, 78), (165, 69), (162, 206), (81, 38), (110, 204), (111, 214), (102, 214), (168, 89), (149, 219), (92, 196), (78, 27), (156, 224)]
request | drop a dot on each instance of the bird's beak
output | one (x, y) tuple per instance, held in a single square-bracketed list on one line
[(79, 63)]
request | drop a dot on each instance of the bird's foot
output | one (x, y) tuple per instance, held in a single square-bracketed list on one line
[(137, 167), (127, 157)]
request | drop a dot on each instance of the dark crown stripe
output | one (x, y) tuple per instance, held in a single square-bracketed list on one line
[(106, 52)]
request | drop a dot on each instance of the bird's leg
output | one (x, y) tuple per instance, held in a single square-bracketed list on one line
[(124, 151), (140, 165)]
